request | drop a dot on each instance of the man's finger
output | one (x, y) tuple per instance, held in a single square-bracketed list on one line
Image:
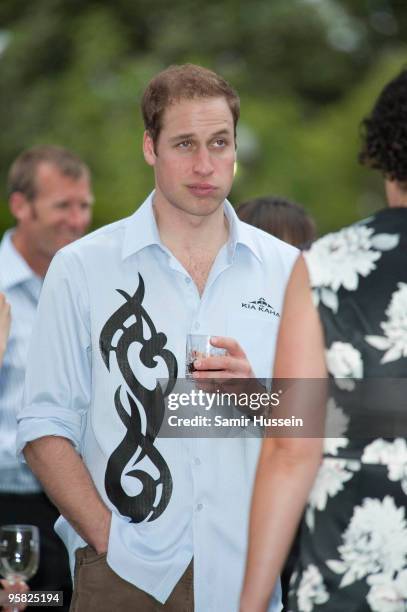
[(230, 344), (215, 362)]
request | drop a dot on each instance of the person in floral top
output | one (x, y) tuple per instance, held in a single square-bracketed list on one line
[(345, 318)]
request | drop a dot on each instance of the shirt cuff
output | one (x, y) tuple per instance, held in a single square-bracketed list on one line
[(41, 420)]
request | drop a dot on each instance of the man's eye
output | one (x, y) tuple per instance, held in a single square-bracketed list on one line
[(185, 144), (220, 142)]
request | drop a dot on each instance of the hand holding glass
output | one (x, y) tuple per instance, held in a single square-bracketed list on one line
[(198, 347)]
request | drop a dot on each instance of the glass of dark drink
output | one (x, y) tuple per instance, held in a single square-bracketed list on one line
[(198, 347)]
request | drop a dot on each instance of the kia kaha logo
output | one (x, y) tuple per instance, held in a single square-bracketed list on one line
[(261, 305)]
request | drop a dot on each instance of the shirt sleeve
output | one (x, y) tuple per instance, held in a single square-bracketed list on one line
[(58, 377)]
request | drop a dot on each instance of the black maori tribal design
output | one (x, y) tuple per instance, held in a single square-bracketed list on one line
[(156, 492)]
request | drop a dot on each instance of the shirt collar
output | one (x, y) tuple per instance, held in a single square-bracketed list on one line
[(240, 233), (14, 270), (142, 231)]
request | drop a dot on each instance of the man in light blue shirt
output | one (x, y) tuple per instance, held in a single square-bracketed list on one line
[(155, 519), (50, 198)]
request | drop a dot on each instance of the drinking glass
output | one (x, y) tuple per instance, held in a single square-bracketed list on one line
[(19, 552), (199, 346)]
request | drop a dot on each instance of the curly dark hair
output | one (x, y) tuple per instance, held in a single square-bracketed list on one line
[(384, 132)]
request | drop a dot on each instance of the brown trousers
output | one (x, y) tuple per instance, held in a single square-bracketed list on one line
[(98, 589)]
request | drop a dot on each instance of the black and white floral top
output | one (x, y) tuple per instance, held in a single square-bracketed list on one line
[(353, 536)]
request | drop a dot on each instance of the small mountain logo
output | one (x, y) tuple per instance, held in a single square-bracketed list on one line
[(262, 302), (261, 305)]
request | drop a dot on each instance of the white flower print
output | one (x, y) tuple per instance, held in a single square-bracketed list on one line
[(311, 590), (330, 479), (344, 362), (336, 424), (394, 341), (388, 594), (374, 542), (393, 455), (338, 259)]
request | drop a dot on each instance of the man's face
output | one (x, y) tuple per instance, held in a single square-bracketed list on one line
[(60, 212), (194, 156)]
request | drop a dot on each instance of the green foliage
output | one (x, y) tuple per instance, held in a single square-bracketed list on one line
[(73, 73)]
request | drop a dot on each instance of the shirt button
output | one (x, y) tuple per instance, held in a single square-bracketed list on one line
[(199, 507), (197, 461), (197, 325), (187, 280)]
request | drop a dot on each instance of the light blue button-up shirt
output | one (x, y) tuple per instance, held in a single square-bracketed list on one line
[(113, 317), (22, 288)]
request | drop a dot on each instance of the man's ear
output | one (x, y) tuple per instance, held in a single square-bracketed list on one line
[(148, 149), (20, 207)]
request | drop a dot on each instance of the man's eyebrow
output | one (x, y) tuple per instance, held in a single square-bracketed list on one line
[(181, 137), (89, 201), (222, 132)]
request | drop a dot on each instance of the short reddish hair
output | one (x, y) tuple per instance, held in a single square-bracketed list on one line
[(184, 82)]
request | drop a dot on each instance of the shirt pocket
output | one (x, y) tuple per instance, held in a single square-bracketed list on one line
[(257, 335)]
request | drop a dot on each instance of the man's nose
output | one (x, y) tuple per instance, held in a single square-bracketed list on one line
[(79, 219), (202, 162)]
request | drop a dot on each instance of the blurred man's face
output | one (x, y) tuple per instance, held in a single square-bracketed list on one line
[(194, 156), (61, 211)]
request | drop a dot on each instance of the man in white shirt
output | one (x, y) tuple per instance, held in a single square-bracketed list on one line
[(50, 198), (156, 523)]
